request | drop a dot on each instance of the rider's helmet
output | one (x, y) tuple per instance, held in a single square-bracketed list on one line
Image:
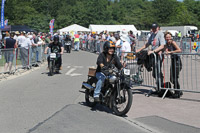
[(56, 38), (107, 45)]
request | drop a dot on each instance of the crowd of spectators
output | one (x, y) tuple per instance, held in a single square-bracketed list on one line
[(29, 46), (93, 42)]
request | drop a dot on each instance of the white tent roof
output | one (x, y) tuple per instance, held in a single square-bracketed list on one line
[(112, 28), (74, 27)]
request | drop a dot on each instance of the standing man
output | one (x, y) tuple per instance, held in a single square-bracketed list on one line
[(76, 42), (126, 47), (23, 49), (179, 35), (155, 40)]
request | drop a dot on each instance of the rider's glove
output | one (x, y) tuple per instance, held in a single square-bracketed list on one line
[(105, 70)]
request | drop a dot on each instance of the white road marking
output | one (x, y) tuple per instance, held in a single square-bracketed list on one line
[(75, 74), (70, 71), (78, 66), (91, 66), (72, 74)]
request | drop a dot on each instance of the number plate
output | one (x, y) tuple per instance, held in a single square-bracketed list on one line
[(127, 71), (68, 43), (52, 55)]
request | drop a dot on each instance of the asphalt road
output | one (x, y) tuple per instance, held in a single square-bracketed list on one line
[(38, 103)]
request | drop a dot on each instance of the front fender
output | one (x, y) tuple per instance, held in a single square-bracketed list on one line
[(126, 85)]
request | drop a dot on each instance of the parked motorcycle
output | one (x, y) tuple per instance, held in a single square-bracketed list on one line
[(116, 92), (53, 67)]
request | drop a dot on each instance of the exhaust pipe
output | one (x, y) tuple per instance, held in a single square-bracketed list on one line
[(87, 86)]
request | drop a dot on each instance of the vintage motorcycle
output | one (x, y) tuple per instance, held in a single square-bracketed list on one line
[(53, 66), (116, 92), (67, 46)]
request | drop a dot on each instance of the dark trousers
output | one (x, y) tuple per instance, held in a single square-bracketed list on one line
[(176, 66), (68, 48), (157, 71)]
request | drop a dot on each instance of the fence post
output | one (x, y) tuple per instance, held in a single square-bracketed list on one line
[(15, 60)]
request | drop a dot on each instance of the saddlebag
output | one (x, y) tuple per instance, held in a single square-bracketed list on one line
[(92, 72)]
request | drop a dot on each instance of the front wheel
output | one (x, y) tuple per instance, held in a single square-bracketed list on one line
[(89, 98), (121, 105), (51, 68)]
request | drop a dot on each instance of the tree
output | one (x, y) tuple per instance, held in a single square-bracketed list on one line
[(142, 13)]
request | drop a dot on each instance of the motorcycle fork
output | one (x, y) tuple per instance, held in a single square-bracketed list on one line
[(118, 90), (121, 98)]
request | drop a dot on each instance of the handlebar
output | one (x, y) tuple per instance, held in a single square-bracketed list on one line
[(55, 53)]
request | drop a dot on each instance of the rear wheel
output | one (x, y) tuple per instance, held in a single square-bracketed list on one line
[(89, 98), (121, 105)]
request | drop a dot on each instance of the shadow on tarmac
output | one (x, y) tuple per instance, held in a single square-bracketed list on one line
[(48, 74), (146, 91), (100, 107)]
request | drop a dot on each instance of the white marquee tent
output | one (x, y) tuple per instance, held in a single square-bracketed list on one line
[(112, 28), (74, 27)]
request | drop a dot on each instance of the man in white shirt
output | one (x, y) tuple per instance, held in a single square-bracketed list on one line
[(16, 36), (119, 43), (112, 38), (24, 46), (126, 47), (21, 40)]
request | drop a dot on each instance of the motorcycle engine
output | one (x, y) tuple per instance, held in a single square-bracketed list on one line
[(112, 79)]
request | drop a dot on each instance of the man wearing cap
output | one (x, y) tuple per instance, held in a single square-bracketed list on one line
[(16, 35), (155, 40)]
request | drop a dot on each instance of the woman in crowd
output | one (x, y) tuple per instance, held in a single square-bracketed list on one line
[(10, 44), (176, 65)]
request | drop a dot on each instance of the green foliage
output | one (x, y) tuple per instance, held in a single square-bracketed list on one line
[(141, 13)]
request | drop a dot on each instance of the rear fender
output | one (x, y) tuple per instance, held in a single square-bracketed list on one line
[(85, 85)]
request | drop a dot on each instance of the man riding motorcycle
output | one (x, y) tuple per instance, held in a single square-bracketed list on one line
[(104, 61), (55, 47)]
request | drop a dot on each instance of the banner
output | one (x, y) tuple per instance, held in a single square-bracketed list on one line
[(51, 26), (6, 22), (2, 14)]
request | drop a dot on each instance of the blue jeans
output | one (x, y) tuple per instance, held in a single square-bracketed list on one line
[(76, 46), (101, 78)]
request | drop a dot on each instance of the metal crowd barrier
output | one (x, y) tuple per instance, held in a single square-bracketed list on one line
[(186, 45), (4, 53), (182, 71), (141, 70), (22, 58), (176, 72), (94, 46)]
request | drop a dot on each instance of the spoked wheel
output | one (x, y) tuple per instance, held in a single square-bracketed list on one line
[(89, 98), (121, 105)]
